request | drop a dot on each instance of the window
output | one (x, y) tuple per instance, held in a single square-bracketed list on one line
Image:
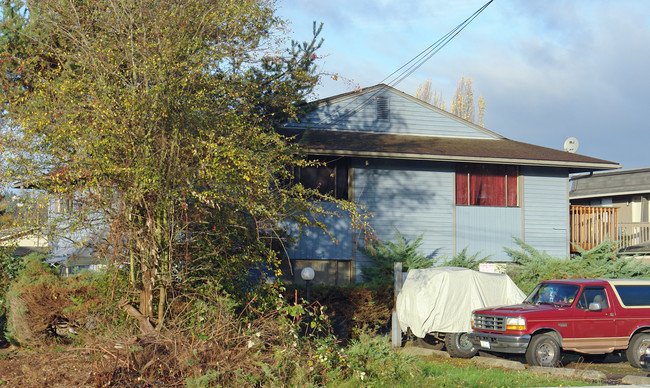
[(63, 205), (559, 294), (328, 178), (634, 295), (486, 185), (593, 295)]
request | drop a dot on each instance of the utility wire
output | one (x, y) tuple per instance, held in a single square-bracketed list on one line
[(409, 67)]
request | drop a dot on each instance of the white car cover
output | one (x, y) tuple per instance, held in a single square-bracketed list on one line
[(442, 299)]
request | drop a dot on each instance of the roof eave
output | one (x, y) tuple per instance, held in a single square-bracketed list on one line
[(608, 194), (573, 166)]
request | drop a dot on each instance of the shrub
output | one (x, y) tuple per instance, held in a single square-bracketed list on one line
[(464, 261), (39, 301), (385, 254), (349, 308), (531, 266), (370, 358)]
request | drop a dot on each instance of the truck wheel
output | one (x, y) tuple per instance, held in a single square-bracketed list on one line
[(638, 344), (543, 350), (458, 345)]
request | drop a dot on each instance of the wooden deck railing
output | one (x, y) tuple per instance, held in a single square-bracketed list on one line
[(633, 234), (592, 225)]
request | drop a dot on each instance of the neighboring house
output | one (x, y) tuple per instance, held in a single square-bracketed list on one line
[(421, 170), (617, 202), (25, 241), (74, 247)]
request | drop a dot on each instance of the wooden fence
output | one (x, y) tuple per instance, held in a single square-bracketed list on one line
[(592, 225)]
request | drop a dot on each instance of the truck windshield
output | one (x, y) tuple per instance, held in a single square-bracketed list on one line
[(557, 294)]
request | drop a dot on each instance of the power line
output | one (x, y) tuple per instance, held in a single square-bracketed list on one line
[(411, 66)]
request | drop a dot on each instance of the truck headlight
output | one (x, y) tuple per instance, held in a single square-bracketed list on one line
[(473, 315), (516, 323)]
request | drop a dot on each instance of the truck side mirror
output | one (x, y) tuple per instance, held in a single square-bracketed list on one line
[(595, 306)]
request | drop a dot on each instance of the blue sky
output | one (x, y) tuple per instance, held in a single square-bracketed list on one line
[(547, 69)]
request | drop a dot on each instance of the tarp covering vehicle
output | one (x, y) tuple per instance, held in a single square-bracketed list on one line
[(440, 300)]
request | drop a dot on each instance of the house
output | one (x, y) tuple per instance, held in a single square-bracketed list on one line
[(24, 241), (423, 171), (621, 195)]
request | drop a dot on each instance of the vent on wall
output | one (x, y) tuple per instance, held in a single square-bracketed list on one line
[(383, 108)]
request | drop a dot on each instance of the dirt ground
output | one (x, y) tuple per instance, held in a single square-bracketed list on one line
[(65, 367), (49, 368)]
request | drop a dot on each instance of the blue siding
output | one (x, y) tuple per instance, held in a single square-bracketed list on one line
[(546, 205), (314, 243), (487, 230), (358, 113), (418, 198), (413, 197)]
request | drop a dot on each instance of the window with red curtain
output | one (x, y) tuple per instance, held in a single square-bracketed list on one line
[(486, 185)]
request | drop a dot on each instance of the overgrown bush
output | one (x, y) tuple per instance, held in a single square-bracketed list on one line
[(385, 254), (43, 307), (531, 266), (349, 308), (371, 359)]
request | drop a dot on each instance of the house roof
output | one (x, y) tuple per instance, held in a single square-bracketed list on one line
[(342, 129), (612, 183), (450, 149)]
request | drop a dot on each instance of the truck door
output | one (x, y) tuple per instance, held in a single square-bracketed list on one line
[(592, 330)]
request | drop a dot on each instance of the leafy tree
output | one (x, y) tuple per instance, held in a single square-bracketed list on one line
[(462, 105), (159, 117)]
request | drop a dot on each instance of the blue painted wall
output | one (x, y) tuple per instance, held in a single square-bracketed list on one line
[(408, 116), (486, 230), (413, 197), (418, 198), (314, 243), (546, 209)]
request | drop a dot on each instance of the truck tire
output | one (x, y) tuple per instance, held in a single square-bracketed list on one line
[(458, 345), (543, 350), (638, 344)]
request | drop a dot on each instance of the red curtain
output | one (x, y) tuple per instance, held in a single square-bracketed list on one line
[(511, 177), (462, 186), (486, 185)]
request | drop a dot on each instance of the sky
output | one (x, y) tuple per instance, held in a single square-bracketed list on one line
[(547, 69)]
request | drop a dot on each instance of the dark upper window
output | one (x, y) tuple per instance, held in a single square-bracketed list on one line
[(331, 177), (486, 185)]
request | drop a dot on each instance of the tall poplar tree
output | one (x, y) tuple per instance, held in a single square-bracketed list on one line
[(462, 105)]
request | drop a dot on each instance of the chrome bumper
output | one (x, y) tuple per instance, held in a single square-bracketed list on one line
[(499, 342)]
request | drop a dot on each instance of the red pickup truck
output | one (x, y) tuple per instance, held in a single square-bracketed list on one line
[(589, 316)]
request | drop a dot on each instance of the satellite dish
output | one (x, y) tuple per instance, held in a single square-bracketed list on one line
[(571, 145)]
